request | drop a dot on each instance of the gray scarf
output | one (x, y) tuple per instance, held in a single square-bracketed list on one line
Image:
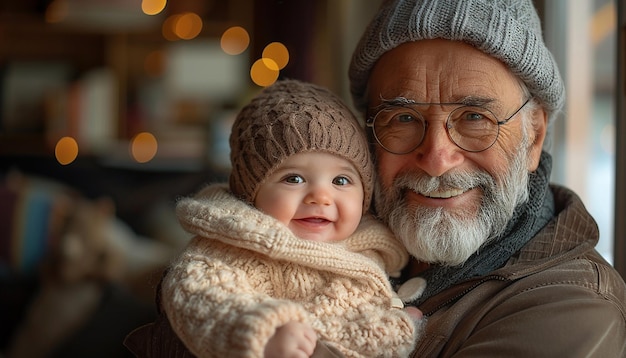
[(526, 222)]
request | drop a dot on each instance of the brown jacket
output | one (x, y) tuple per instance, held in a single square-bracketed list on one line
[(556, 298)]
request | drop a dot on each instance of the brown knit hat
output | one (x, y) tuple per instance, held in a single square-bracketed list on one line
[(291, 117)]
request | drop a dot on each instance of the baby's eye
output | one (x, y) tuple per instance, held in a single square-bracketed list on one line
[(341, 180), (294, 179)]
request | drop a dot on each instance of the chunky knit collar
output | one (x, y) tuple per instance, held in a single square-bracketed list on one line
[(215, 214), (528, 219)]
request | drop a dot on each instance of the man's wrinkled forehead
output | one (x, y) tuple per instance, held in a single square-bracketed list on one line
[(440, 71)]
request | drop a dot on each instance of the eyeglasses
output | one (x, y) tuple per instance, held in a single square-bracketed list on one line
[(401, 129)]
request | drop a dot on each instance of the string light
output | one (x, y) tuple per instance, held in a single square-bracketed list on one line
[(277, 52), (235, 40), (66, 150), (188, 26), (264, 72), (153, 7), (143, 147)]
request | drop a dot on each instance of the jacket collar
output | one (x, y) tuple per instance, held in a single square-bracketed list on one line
[(570, 234)]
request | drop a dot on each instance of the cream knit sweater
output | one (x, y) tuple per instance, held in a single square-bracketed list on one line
[(244, 274)]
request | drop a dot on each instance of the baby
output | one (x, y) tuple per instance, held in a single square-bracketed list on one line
[(286, 257)]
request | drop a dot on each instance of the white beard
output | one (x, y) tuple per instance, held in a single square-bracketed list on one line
[(437, 235)]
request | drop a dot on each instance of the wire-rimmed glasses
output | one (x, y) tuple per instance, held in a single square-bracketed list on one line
[(401, 129)]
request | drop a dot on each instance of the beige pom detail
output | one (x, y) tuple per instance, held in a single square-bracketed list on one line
[(412, 289)]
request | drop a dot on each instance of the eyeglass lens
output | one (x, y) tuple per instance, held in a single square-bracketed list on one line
[(401, 130)]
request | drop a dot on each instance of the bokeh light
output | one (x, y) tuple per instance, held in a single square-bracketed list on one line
[(277, 52), (264, 72), (66, 150), (168, 27), (153, 7), (235, 40), (143, 147), (154, 63), (188, 26), (185, 26)]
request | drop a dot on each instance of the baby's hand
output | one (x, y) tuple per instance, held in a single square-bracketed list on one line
[(293, 340), (414, 312)]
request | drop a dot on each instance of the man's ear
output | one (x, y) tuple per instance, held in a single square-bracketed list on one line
[(537, 135)]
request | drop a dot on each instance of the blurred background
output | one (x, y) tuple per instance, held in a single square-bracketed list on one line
[(110, 110)]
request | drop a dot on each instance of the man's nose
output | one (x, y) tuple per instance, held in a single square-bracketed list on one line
[(437, 153)]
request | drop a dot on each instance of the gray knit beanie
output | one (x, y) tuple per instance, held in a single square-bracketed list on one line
[(291, 117), (508, 30)]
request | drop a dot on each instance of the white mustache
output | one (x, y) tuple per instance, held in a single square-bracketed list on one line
[(445, 186)]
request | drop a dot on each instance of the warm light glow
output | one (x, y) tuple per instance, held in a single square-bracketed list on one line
[(168, 28), (66, 150), (277, 52), (603, 23), (188, 26), (235, 40), (152, 7), (143, 147), (154, 63), (56, 12), (264, 72)]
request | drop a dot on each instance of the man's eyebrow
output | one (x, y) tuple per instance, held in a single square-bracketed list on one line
[(480, 101), (463, 101), (395, 102)]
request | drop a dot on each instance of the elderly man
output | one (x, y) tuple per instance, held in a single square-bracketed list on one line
[(458, 97)]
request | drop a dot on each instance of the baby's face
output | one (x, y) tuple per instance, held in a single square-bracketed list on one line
[(319, 196)]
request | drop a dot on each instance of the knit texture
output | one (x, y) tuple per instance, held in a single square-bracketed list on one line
[(293, 117), (509, 30), (244, 274)]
